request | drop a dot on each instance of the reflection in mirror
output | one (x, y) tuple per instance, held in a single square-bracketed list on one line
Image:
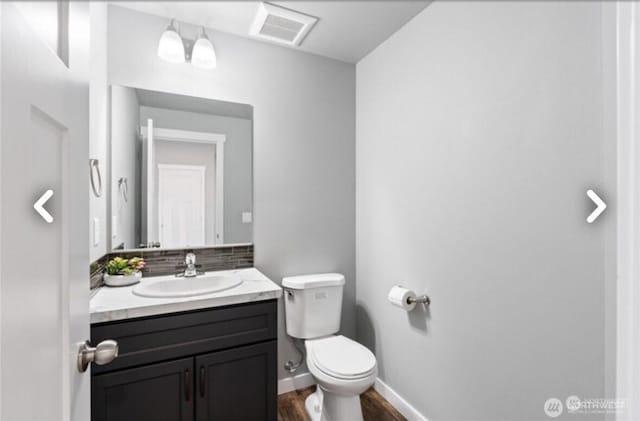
[(181, 170)]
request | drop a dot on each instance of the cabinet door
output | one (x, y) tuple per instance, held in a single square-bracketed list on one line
[(237, 384), (157, 392)]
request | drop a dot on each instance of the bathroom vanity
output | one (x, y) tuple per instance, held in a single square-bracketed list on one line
[(206, 357), (191, 347)]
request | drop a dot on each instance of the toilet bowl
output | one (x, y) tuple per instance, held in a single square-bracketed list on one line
[(343, 369)]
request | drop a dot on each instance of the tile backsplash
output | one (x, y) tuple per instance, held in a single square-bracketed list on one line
[(168, 262), (96, 269)]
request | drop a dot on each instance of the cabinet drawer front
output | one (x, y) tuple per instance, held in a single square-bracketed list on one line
[(146, 340), (157, 392)]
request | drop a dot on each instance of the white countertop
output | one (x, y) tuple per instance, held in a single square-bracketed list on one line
[(119, 303)]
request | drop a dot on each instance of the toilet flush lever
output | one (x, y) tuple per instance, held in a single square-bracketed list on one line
[(105, 352)]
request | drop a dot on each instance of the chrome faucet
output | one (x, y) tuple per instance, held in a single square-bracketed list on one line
[(190, 270)]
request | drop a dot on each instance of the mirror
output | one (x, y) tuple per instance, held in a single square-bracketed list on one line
[(180, 170)]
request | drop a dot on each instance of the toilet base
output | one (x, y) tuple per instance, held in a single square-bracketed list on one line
[(325, 406), (313, 404)]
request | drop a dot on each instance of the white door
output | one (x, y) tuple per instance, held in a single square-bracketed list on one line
[(181, 200), (150, 204), (44, 288)]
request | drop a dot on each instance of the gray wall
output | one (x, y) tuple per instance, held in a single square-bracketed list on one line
[(238, 162), (125, 156), (98, 125), (479, 129), (304, 142)]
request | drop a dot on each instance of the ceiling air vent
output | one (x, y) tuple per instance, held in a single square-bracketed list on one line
[(284, 26)]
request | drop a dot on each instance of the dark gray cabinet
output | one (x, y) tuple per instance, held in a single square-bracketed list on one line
[(156, 392), (237, 384), (208, 365)]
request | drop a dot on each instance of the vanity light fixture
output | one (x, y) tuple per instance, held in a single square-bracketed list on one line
[(176, 49), (203, 55), (171, 47)]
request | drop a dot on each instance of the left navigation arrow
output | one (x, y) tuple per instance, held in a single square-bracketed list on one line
[(39, 206)]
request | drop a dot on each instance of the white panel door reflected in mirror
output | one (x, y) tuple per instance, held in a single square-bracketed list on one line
[(181, 170)]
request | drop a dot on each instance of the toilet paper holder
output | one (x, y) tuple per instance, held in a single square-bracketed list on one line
[(420, 299)]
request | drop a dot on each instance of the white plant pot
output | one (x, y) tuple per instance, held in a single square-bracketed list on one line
[(122, 280)]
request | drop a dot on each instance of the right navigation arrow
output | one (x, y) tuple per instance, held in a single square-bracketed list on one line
[(600, 206)]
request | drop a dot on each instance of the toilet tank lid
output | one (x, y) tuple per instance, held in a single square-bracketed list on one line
[(313, 281)]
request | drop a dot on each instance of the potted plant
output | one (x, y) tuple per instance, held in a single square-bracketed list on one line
[(121, 272)]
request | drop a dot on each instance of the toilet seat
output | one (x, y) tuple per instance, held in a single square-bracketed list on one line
[(340, 357)]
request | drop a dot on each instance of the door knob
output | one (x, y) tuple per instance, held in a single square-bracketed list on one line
[(105, 352)]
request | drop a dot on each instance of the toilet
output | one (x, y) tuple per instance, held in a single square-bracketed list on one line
[(341, 367)]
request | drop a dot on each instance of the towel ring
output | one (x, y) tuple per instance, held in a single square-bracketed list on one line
[(94, 173), (123, 186)]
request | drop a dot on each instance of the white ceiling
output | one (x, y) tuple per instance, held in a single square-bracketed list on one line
[(346, 30)]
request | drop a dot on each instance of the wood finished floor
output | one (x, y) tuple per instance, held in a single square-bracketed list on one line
[(374, 406)]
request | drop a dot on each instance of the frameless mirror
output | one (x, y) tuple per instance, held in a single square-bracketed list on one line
[(181, 170)]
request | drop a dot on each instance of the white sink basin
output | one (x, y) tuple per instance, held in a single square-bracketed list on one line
[(185, 287)]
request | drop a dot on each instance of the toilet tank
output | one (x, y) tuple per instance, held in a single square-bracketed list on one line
[(313, 304)]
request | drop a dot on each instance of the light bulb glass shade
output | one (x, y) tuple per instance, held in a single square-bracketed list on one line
[(203, 55), (171, 47)]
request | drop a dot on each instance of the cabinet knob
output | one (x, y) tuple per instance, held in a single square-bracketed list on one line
[(103, 353)]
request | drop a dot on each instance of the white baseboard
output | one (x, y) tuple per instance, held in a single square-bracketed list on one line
[(398, 402), (289, 384)]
